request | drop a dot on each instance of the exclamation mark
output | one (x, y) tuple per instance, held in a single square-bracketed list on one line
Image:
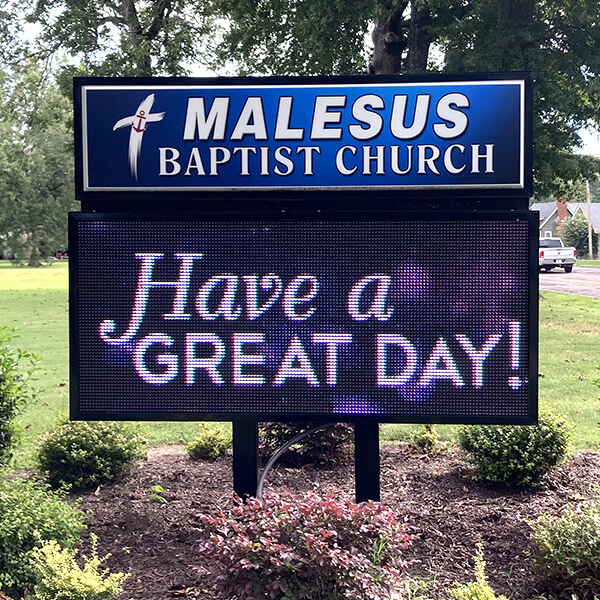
[(514, 332)]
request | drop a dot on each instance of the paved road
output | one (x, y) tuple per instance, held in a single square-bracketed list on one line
[(584, 281)]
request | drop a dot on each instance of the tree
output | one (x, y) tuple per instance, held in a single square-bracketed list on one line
[(575, 233), (36, 164), (559, 41), (127, 37)]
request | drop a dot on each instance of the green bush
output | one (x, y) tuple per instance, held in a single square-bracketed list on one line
[(426, 439), (211, 443), (16, 367), (320, 447), (59, 577), (569, 547), (516, 455), (83, 454), (31, 513), (479, 589)]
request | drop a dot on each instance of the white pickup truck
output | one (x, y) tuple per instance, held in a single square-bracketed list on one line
[(553, 253)]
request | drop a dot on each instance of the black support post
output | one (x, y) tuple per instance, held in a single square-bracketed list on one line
[(245, 458), (366, 461)]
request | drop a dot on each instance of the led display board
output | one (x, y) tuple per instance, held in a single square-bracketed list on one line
[(399, 318), (180, 136)]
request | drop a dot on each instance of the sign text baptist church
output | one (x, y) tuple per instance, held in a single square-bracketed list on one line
[(359, 134)]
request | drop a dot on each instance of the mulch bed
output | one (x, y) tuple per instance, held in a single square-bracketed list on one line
[(156, 540)]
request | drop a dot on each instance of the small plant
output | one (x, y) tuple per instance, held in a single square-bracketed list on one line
[(31, 513), (479, 589), (320, 447), (426, 439), (82, 454), (59, 577), (16, 368), (155, 494), (313, 548), (516, 455), (569, 547), (211, 443)]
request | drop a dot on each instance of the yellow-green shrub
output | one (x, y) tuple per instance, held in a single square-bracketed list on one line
[(479, 589), (30, 514), (61, 578), (212, 441)]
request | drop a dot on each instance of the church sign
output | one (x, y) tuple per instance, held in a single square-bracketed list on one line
[(175, 136)]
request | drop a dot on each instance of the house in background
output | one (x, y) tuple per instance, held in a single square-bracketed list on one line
[(554, 214)]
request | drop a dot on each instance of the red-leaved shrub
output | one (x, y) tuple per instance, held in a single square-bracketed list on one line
[(313, 548)]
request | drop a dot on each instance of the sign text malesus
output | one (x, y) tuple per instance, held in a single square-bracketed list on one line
[(352, 134)]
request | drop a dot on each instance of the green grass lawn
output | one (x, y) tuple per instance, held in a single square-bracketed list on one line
[(588, 263), (34, 301)]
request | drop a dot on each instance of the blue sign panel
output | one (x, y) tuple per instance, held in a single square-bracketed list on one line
[(254, 134), (415, 319)]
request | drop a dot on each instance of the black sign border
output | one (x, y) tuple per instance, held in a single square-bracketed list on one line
[(208, 197), (207, 216)]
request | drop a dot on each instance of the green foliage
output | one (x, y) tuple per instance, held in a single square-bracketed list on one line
[(426, 439), (320, 447), (16, 368), (81, 454), (575, 233), (128, 39), (211, 443), (286, 37), (59, 577), (36, 164), (516, 455), (552, 39), (311, 548), (31, 513), (479, 589), (570, 547)]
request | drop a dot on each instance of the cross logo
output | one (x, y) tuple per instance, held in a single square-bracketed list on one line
[(138, 123)]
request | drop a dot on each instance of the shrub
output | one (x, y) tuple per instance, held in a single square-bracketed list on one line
[(426, 439), (479, 589), (313, 548), (570, 547), (516, 455), (83, 454), (31, 513), (59, 577), (16, 367), (320, 447), (211, 443)]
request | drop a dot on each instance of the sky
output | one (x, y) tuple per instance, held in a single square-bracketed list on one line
[(591, 142)]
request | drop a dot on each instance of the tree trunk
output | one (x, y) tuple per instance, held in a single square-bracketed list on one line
[(137, 38), (389, 42), (511, 11), (420, 39)]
